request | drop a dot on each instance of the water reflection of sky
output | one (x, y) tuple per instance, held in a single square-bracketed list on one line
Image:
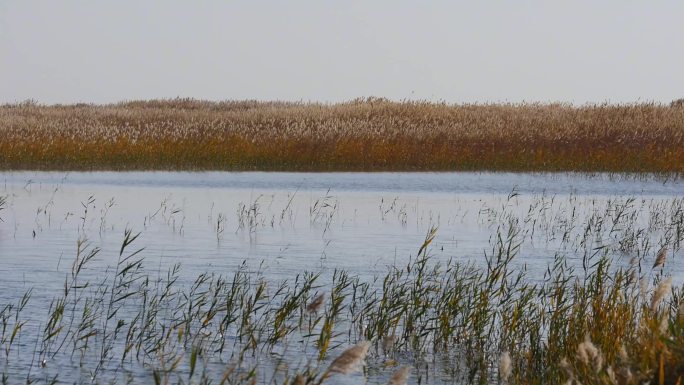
[(361, 222)]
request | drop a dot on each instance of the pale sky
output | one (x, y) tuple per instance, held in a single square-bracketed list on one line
[(454, 51)]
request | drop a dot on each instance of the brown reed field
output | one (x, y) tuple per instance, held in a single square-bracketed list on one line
[(370, 134)]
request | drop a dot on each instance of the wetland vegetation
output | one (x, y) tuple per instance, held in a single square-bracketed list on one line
[(600, 324), (370, 134), (604, 305)]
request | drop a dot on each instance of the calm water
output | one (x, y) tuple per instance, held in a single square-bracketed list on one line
[(285, 223)]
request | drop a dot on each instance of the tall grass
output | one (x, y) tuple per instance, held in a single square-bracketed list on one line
[(363, 134), (601, 324)]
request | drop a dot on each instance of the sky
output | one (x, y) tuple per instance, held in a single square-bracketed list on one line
[(616, 51)]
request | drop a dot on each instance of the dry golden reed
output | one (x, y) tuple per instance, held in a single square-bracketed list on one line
[(660, 292), (363, 134)]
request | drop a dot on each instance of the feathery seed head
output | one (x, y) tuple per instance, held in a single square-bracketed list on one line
[(505, 367), (661, 257), (388, 343), (661, 291), (315, 305), (400, 376), (350, 359)]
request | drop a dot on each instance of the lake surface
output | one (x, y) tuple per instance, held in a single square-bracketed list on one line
[(281, 224)]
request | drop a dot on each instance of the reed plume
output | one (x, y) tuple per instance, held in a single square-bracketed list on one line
[(661, 291), (388, 343), (505, 366), (400, 376), (588, 353), (661, 257), (315, 305), (350, 359)]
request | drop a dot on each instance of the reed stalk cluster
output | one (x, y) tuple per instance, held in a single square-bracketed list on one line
[(601, 324), (364, 134)]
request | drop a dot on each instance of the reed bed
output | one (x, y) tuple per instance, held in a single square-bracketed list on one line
[(369, 134), (600, 324)]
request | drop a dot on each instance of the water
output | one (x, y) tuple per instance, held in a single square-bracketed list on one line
[(281, 224)]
